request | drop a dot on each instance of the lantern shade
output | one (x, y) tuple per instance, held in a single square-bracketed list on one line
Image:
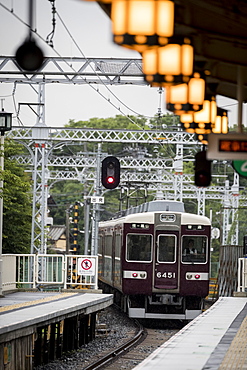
[(197, 128), (170, 64), (139, 24), (186, 98), (208, 112), (210, 119), (201, 122), (221, 122)]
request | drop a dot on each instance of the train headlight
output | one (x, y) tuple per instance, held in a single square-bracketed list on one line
[(202, 276)]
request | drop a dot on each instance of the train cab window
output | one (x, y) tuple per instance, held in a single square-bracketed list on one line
[(166, 248), (139, 247), (194, 249)]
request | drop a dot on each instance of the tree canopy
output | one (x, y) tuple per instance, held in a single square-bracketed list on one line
[(17, 202)]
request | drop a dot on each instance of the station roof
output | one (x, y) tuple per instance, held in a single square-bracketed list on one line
[(218, 29)]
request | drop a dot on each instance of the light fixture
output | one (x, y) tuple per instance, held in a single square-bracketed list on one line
[(170, 64), (219, 127), (139, 24), (201, 122), (29, 56), (186, 97), (5, 121), (221, 122)]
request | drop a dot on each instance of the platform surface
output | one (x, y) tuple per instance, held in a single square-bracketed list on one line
[(216, 339), (22, 309)]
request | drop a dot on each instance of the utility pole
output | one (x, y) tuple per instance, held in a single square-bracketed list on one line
[(86, 223)]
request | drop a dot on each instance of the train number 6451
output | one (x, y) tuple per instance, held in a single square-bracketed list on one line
[(167, 275)]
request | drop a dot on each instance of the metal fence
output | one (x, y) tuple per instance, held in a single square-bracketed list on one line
[(44, 270), (242, 275), (228, 269)]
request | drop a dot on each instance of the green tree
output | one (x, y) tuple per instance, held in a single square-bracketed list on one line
[(17, 208)]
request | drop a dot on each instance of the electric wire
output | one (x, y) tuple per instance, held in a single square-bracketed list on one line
[(17, 111), (78, 47), (101, 94), (95, 89)]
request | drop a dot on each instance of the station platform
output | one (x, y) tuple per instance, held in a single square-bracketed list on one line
[(36, 307), (37, 327), (216, 339)]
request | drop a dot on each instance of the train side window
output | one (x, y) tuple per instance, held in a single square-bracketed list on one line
[(139, 247), (194, 249), (118, 245), (108, 245), (166, 248)]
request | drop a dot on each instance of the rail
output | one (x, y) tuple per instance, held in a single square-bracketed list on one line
[(43, 270), (119, 351), (242, 275)]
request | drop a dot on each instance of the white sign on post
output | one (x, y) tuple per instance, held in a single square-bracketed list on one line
[(86, 266), (99, 200)]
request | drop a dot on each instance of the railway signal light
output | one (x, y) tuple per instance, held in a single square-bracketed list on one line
[(202, 169), (110, 172)]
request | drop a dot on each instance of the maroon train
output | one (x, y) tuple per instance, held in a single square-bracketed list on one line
[(156, 260)]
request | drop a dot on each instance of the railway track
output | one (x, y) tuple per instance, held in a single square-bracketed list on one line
[(120, 343), (120, 351), (153, 339), (135, 349)]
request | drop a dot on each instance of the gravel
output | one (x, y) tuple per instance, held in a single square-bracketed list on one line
[(114, 329)]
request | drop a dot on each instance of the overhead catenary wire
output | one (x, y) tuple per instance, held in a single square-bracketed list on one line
[(70, 66), (78, 47)]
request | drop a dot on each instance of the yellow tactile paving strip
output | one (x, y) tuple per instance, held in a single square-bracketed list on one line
[(236, 356), (37, 301)]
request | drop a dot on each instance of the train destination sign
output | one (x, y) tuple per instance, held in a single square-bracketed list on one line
[(227, 146)]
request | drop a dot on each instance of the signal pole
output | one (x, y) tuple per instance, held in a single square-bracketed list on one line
[(96, 210)]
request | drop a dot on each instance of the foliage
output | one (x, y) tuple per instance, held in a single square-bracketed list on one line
[(65, 193), (17, 209), (222, 171)]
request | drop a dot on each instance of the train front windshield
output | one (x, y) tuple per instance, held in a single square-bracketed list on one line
[(194, 249), (139, 247), (166, 248)]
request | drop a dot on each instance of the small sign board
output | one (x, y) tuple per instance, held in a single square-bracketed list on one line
[(99, 200), (240, 167), (86, 266), (227, 146), (215, 233)]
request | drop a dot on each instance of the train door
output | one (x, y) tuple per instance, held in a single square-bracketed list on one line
[(166, 260)]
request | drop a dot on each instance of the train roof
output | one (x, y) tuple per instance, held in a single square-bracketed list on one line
[(157, 205), (149, 217)]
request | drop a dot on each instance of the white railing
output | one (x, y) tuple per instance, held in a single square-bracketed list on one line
[(41, 270), (242, 275)]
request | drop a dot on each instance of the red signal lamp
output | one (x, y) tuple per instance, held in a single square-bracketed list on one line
[(110, 180), (197, 276), (110, 172)]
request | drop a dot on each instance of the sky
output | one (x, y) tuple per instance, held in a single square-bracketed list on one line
[(90, 27)]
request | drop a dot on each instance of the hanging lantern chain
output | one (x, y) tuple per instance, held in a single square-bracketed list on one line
[(49, 38)]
